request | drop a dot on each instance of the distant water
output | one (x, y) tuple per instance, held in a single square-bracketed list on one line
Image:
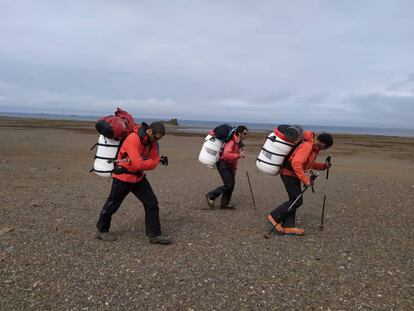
[(201, 126)]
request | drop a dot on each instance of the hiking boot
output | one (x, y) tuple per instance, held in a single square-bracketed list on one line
[(228, 206), (105, 236), (294, 231), (210, 202), (160, 239), (276, 225)]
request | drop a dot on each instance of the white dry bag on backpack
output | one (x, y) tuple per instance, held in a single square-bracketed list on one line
[(210, 151), (106, 152), (213, 143), (277, 147)]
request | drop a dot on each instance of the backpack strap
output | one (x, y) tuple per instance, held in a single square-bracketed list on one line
[(98, 171), (287, 163), (230, 134), (142, 132)]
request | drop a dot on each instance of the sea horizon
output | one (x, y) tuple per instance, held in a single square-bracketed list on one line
[(201, 126)]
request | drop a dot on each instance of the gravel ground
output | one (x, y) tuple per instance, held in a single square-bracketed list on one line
[(50, 259)]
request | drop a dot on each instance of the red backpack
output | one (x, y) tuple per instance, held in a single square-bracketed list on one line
[(117, 127)]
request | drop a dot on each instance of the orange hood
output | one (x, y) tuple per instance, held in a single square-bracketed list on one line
[(308, 136)]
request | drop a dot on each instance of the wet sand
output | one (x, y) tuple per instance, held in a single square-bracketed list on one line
[(50, 203)]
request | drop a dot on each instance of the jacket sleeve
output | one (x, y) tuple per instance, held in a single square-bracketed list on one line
[(319, 166), (228, 154), (299, 160)]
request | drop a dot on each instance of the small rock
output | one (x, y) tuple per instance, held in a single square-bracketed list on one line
[(9, 249), (5, 230)]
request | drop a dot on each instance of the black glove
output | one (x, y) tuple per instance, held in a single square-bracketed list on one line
[(312, 179), (164, 160)]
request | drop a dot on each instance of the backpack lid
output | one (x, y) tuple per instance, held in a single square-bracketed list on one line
[(224, 132), (116, 126), (290, 133)]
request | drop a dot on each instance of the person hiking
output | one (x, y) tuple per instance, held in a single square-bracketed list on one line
[(227, 166), (293, 173), (138, 153)]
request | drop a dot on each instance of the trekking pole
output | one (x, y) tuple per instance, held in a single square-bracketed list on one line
[(328, 160), (313, 177), (250, 185), (251, 191)]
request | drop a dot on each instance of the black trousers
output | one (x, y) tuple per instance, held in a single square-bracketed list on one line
[(143, 191), (280, 213), (229, 181)]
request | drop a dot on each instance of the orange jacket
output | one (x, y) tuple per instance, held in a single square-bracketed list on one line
[(231, 152), (303, 159), (138, 154)]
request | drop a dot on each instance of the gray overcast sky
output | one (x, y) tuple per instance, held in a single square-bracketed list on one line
[(312, 62)]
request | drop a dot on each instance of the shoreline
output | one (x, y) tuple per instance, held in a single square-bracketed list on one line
[(177, 130)]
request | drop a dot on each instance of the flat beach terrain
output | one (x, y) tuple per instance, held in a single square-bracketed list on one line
[(50, 260)]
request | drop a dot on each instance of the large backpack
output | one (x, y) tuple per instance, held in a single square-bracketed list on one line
[(278, 147), (213, 144), (113, 129)]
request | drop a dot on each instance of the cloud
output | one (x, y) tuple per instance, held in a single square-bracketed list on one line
[(235, 60), (402, 88), (376, 110)]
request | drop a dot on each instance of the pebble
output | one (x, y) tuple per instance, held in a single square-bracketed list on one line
[(5, 230)]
